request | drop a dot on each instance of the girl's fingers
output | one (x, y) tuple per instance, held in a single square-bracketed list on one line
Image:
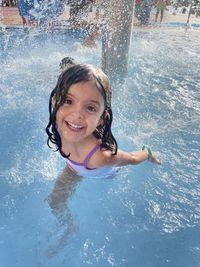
[(158, 161), (155, 159)]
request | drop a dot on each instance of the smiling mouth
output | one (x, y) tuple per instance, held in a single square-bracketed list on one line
[(74, 127)]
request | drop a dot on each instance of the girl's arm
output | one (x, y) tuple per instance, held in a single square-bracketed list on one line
[(125, 158)]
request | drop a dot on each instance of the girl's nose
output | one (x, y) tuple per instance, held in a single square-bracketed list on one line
[(79, 112)]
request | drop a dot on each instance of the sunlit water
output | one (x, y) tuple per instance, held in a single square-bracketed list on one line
[(147, 216)]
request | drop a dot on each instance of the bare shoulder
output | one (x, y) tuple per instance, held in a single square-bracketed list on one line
[(106, 158), (101, 158)]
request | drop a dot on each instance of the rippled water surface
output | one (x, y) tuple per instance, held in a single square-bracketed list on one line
[(147, 216)]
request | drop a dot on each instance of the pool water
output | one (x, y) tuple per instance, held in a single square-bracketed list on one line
[(147, 216)]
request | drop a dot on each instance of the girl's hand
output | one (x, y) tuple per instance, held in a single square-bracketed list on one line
[(151, 155), (154, 158)]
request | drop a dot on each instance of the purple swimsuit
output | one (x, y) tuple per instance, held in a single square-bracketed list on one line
[(83, 170)]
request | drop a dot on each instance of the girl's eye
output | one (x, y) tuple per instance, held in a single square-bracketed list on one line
[(68, 101), (91, 109)]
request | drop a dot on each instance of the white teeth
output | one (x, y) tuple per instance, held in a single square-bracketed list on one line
[(75, 126)]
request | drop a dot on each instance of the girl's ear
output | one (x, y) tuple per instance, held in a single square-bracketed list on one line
[(104, 118), (101, 120), (106, 115)]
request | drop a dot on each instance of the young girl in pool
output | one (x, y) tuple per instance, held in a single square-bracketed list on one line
[(80, 123)]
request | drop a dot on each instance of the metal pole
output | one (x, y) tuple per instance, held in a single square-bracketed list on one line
[(116, 38), (189, 13)]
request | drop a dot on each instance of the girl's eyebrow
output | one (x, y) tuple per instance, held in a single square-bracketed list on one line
[(88, 100), (95, 102)]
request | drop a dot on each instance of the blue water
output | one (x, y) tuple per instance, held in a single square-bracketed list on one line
[(147, 216)]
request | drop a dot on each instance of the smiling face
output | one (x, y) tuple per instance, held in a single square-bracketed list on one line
[(81, 112)]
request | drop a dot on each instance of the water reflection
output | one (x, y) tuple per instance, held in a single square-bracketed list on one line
[(63, 190), (58, 200)]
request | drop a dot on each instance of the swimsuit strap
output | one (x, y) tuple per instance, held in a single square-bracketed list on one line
[(89, 155)]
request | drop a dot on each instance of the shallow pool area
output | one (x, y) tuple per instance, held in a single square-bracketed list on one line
[(146, 216)]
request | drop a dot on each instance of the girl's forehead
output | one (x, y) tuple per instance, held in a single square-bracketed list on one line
[(89, 87), (86, 89)]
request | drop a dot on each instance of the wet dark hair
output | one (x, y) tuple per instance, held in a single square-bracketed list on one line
[(66, 62), (76, 73)]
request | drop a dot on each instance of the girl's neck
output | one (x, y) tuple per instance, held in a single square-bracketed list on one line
[(79, 150)]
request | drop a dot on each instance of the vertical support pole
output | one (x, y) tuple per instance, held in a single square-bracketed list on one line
[(116, 38)]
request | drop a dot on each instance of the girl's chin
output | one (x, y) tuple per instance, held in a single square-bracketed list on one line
[(69, 135), (72, 136)]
